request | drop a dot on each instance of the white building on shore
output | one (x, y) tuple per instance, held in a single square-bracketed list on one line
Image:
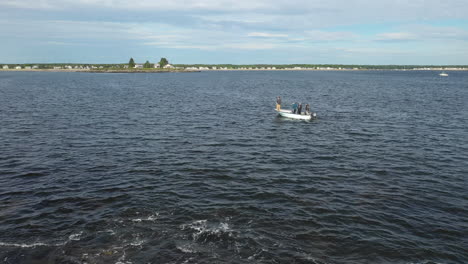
[(18, 67), (168, 66), (5, 67), (138, 66), (157, 65)]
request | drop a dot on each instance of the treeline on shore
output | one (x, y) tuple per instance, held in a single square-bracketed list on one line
[(318, 66), (229, 66)]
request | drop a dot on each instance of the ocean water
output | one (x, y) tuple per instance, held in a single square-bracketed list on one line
[(197, 168)]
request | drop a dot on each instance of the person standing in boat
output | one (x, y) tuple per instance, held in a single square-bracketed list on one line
[(307, 109), (299, 109), (278, 103), (294, 106)]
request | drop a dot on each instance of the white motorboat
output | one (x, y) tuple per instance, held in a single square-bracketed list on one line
[(443, 74), (289, 114)]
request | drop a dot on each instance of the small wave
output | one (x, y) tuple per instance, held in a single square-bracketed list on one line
[(425, 262), (205, 231), (187, 248), (150, 218), (122, 260), (72, 237), (31, 175), (138, 242), (75, 237), (33, 245)]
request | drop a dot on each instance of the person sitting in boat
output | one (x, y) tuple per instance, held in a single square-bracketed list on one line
[(299, 109), (294, 106), (307, 109), (278, 103)]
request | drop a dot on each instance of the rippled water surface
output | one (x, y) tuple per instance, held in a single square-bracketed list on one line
[(197, 168)]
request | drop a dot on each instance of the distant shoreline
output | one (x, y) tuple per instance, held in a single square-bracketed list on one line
[(137, 71), (96, 71), (207, 70)]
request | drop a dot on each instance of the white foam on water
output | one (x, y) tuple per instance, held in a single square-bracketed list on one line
[(122, 260), (257, 253), (75, 237), (188, 260), (137, 242), (110, 231), (201, 227), (187, 248), (151, 218), (38, 244), (72, 237)]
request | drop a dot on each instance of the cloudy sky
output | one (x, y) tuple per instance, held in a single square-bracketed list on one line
[(235, 31)]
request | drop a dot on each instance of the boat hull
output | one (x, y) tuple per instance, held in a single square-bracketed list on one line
[(288, 114)]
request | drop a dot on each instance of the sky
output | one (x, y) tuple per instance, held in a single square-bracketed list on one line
[(379, 32)]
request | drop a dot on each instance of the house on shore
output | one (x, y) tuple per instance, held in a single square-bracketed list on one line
[(168, 66), (157, 65), (5, 67), (138, 66), (18, 67)]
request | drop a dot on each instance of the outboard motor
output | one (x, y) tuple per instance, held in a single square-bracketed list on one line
[(313, 115)]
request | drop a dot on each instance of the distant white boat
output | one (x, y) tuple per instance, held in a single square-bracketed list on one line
[(443, 74), (289, 114)]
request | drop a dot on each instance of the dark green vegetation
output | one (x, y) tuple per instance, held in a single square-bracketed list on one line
[(163, 62), (131, 63)]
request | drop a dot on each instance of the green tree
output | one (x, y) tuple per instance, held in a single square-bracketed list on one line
[(131, 63), (163, 62), (147, 65)]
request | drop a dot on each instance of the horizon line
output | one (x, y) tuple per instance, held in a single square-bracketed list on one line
[(242, 64)]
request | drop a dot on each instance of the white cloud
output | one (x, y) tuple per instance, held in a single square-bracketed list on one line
[(244, 25), (319, 35), (316, 11), (266, 35), (373, 51), (424, 33), (28, 4), (141, 4), (396, 36), (251, 46), (230, 45), (433, 32)]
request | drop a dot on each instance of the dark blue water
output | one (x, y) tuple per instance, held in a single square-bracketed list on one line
[(197, 168)]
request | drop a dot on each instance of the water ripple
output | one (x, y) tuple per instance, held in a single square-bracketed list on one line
[(196, 168)]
